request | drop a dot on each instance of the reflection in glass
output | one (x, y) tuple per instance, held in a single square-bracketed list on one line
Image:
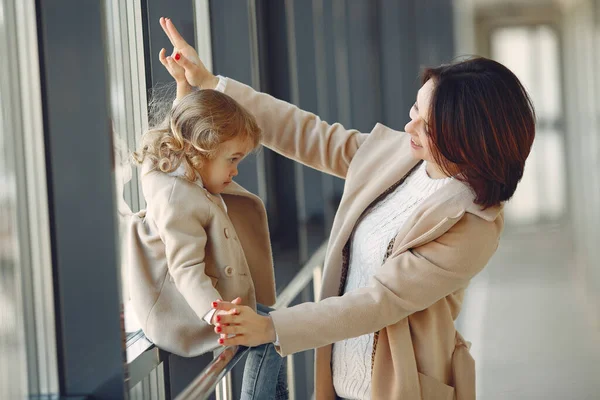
[(13, 376), (12, 345)]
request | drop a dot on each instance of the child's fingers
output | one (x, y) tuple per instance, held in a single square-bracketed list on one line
[(163, 25), (180, 59), (223, 305), (173, 34), (162, 57), (172, 64), (237, 300), (175, 70)]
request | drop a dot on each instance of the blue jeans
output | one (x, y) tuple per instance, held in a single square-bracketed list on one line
[(263, 365)]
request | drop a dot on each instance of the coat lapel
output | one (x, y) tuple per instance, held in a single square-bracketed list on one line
[(368, 178), (434, 216), (234, 189), (248, 216), (371, 177)]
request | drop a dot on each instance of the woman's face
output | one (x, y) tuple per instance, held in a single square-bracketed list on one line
[(417, 127)]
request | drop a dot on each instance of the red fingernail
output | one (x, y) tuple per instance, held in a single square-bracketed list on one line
[(214, 304), (219, 329), (218, 318), (177, 56), (221, 341)]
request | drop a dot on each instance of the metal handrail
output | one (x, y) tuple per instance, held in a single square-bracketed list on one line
[(207, 381), (210, 376), (302, 278), (142, 357)]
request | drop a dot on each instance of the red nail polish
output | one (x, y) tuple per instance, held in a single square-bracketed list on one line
[(214, 304), (219, 329), (218, 318), (177, 56), (221, 341)]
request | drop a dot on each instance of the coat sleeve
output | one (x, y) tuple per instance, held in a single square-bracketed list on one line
[(298, 134), (180, 221), (408, 282)]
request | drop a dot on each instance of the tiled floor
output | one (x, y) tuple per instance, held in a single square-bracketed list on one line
[(534, 330)]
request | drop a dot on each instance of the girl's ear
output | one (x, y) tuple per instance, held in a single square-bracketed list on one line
[(195, 162)]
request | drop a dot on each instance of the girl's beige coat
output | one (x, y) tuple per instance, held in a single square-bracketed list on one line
[(185, 251)]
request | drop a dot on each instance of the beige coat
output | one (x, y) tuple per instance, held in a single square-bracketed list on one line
[(185, 251), (414, 298)]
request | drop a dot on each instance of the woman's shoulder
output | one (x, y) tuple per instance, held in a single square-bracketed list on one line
[(383, 145), (385, 139), (381, 131)]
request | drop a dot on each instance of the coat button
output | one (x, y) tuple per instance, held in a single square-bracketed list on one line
[(226, 231), (229, 270)]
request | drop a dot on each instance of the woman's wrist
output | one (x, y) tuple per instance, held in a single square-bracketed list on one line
[(270, 335), (210, 82)]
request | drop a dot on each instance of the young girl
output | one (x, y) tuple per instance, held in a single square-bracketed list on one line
[(202, 237)]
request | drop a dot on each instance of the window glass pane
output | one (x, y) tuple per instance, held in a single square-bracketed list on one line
[(532, 54), (27, 330), (12, 344), (129, 116)]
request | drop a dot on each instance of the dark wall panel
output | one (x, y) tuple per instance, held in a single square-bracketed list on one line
[(81, 199), (182, 16)]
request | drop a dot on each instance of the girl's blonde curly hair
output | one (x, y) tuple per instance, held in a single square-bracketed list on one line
[(193, 130)]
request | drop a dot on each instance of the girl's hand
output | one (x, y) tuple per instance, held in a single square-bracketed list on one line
[(249, 328), (195, 71), (177, 72), (236, 301)]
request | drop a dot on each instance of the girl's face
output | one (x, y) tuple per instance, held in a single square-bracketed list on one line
[(218, 172)]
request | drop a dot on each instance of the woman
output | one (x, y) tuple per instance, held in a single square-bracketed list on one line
[(435, 191)]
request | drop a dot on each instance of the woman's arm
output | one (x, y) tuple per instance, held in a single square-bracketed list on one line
[(407, 283), (292, 132), (298, 134)]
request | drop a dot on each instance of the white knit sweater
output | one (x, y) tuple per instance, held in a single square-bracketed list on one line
[(377, 227)]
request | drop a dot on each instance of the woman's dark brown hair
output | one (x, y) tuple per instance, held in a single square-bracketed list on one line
[(481, 124)]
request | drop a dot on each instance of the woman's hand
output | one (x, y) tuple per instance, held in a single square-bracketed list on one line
[(186, 56), (249, 328)]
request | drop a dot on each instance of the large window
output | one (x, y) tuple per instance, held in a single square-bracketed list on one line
[(532, 53), (28, 360), (129, 115), (132, 33)]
